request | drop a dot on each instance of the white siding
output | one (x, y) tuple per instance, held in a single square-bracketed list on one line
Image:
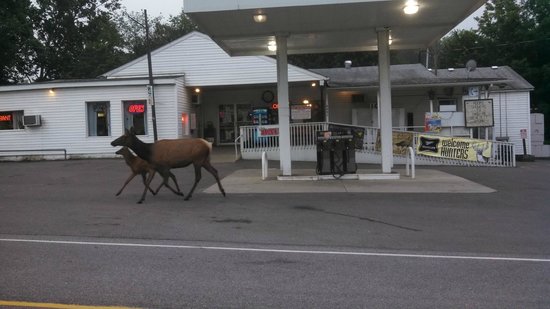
[(183, 105), (206, 64), (512, 113), (64, 123)]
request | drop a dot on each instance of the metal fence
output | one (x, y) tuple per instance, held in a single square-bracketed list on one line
[(254, 140)]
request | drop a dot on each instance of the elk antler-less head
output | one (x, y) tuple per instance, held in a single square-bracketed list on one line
[(125, 139)]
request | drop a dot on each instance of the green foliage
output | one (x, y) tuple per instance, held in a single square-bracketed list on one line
[(132, 28), (76, 37), (510, 33), (17, 43), (461, 46)]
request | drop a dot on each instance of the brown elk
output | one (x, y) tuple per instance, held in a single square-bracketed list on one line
[(141, 167), (166, 154)]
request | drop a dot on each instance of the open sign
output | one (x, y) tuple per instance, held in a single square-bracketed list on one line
[(136, 108), (5, 117)]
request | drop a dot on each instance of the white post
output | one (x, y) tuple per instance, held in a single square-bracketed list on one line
[(284, 109), (385, 105), (265, 166)]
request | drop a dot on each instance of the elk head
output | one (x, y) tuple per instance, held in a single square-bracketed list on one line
[(127, 139)]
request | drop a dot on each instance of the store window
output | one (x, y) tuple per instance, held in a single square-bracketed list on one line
[(135, 115), (98, 118), (11, 120)]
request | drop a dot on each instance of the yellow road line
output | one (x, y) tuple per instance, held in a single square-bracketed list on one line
[(54, 306)]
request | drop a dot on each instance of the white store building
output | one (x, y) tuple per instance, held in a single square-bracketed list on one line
[(201, 91)]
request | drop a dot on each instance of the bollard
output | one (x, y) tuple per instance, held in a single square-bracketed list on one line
[(264, 166)]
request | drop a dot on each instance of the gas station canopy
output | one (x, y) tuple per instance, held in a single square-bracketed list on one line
[(320, 26)]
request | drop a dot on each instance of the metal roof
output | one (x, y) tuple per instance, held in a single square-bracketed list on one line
[(318, 26)]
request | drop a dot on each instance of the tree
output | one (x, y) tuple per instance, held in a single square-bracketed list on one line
[(510, 33), (461, 46), (78, 38), (132, 28), (17, 43), (537, 15)]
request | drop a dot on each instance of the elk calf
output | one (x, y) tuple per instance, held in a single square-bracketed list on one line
[(141, 167)]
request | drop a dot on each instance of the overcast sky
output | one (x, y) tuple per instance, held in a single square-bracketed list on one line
[(154, 7), (173, 7)]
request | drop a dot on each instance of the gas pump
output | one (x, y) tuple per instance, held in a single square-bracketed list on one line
[(336, 153)]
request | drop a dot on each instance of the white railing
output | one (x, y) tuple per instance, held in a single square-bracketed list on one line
[(303, 141)]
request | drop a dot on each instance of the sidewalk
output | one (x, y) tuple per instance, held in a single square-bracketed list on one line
[(426, 181)]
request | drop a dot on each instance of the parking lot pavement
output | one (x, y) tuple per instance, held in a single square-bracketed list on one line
[(478, 236)]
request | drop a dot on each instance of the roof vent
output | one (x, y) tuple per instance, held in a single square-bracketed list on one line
[(347, 64)]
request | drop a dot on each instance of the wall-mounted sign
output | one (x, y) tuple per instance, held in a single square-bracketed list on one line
[(432, 122), (5, 117), (479, 113), (136, 108), (300, 112), (264, 131)]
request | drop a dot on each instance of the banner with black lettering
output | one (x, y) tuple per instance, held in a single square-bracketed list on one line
[(455, 148)]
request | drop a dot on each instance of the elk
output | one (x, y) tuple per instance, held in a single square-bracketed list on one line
[(166, 154), (141, 167)]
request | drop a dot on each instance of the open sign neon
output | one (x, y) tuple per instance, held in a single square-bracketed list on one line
[(5, 117), (136, 108)]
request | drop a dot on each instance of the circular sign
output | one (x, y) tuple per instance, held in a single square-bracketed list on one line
[(268, 96)]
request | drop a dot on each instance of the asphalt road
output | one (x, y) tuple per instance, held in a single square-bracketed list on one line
[(65, 239)]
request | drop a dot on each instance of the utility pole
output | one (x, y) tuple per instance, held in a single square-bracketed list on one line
[(151, 87)]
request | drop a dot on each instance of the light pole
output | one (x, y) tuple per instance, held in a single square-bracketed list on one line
[(151, 86), (151, 82)]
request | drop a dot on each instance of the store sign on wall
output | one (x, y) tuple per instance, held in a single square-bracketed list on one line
[(136, 108), (265, 131)]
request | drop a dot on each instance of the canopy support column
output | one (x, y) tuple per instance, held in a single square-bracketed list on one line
[(284, 109), (385, 104)]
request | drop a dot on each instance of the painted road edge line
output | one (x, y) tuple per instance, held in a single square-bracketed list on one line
[(245, 249), (27, 304)]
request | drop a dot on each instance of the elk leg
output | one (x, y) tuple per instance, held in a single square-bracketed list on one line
[(127, 181), (144, 177), (165, 176), (175, 182), (149, 179), (197, 179), (214, 173)]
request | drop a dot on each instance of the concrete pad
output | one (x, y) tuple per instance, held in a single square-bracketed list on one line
[(305, 181)]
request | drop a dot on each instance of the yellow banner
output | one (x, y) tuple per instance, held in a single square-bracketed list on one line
[(401, 141), (455, 148)]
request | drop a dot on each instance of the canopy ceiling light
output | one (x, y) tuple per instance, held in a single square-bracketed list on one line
[(411, 7), (260, 18), (272, 46)]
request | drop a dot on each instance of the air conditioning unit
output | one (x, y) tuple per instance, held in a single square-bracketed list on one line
[(31, 120)]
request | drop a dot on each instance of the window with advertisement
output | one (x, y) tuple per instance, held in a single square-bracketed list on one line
[(135, 115), (11, 120)]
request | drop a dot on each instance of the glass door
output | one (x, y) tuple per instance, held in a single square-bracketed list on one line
[(227, 123), (231, 118)]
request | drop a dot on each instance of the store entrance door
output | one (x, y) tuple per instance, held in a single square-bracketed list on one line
[(231, 118)]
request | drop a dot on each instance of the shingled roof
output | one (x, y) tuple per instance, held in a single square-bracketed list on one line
[(410, 75)]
